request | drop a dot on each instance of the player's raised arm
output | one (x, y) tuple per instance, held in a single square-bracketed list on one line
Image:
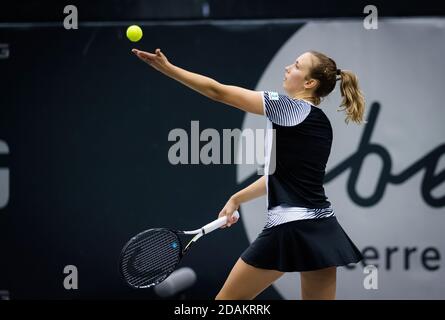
[(244, 99)]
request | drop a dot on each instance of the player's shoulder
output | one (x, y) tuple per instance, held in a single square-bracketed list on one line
[(275, 96)]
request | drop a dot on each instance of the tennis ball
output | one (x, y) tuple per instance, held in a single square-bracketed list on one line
[(134, 33)]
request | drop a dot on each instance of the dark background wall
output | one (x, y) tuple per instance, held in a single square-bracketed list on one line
[(121, 10), (87, 123)]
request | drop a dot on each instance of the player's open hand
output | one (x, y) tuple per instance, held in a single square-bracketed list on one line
[(157, 60), (228, 211)]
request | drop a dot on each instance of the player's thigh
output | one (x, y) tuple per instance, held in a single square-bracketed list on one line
[(319, 284), (246, 282)]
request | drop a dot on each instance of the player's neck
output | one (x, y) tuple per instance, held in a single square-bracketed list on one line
[(304, 96)]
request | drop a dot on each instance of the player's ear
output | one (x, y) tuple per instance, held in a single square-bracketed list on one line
[(311, 83)]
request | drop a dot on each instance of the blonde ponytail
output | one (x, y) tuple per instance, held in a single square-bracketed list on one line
[(353, 103)]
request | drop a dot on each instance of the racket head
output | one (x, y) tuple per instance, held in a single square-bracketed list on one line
[(150, 257)]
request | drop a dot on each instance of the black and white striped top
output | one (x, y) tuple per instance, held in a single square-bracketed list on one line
[(296, 159)]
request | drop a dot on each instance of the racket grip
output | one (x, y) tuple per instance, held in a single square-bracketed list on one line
[(218, 223)]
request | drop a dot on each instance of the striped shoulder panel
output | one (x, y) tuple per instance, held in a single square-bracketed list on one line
[(284, 111)]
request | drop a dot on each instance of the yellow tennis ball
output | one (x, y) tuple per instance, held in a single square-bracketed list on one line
[(134, 33)]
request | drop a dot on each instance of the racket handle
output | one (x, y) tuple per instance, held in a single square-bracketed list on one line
[(218, 223)]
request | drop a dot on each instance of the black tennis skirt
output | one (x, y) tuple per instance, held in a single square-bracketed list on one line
[(302, 245)]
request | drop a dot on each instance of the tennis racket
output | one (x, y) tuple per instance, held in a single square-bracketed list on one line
[(151, 256)]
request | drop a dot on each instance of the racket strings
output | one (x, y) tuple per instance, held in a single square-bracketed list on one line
[(150, 258)]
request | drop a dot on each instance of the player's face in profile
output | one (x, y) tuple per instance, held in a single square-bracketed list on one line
[(295, 73)]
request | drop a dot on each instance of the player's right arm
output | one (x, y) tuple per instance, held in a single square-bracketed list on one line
[(244, 99)]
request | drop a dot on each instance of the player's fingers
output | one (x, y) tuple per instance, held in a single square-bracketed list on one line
[(230, 219), (145, 55), (148, 61), (220, 215), (141, 58), (138, 54), (160, 55)]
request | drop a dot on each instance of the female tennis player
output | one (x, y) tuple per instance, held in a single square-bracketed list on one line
[(302, 233)]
